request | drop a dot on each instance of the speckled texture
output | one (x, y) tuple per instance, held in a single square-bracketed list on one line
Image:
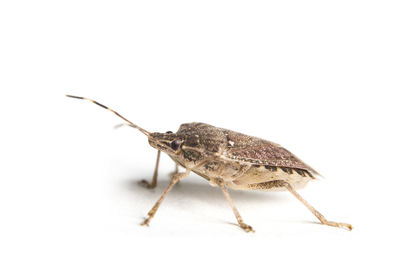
[(239, 147), (238, 159)]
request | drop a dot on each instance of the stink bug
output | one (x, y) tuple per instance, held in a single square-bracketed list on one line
[(228, 159)]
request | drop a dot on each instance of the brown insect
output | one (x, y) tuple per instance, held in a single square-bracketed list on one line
[(228, 159)]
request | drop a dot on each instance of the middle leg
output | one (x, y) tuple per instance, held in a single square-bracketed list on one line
[(171, 174), (244, 226)]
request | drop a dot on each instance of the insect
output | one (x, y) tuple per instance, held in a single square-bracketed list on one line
[(227, 159)]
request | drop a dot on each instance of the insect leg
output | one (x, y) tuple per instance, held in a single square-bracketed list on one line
[(174, 180), (175, 171), (244, 226), (155, 174), (281, 183)]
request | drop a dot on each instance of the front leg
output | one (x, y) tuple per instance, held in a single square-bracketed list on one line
[(155, 174), (174, 180)]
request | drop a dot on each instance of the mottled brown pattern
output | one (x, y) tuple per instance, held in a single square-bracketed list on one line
[(240, 147), (191, 155), (211, 138), (287, 170), (301, 172), (212, 165), (271, 168), (268, 185), (268, 154), (227, 159)]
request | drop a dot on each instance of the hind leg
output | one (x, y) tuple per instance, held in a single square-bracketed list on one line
[(321, 218)]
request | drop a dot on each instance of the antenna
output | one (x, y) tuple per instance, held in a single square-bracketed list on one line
[(147, 133)]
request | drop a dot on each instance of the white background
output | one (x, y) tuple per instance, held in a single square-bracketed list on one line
[(319, 77)]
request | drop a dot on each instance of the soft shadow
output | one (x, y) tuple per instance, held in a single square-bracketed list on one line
[(197, 187)]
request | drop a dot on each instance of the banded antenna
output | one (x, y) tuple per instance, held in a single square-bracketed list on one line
[(147, 133)]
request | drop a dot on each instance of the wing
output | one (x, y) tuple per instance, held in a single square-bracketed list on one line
[(241, 147)]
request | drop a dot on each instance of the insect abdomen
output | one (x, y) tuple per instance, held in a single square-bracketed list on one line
[(257, 174)]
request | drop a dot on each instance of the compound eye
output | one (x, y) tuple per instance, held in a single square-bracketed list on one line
[(168, 132), (176, 144)]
